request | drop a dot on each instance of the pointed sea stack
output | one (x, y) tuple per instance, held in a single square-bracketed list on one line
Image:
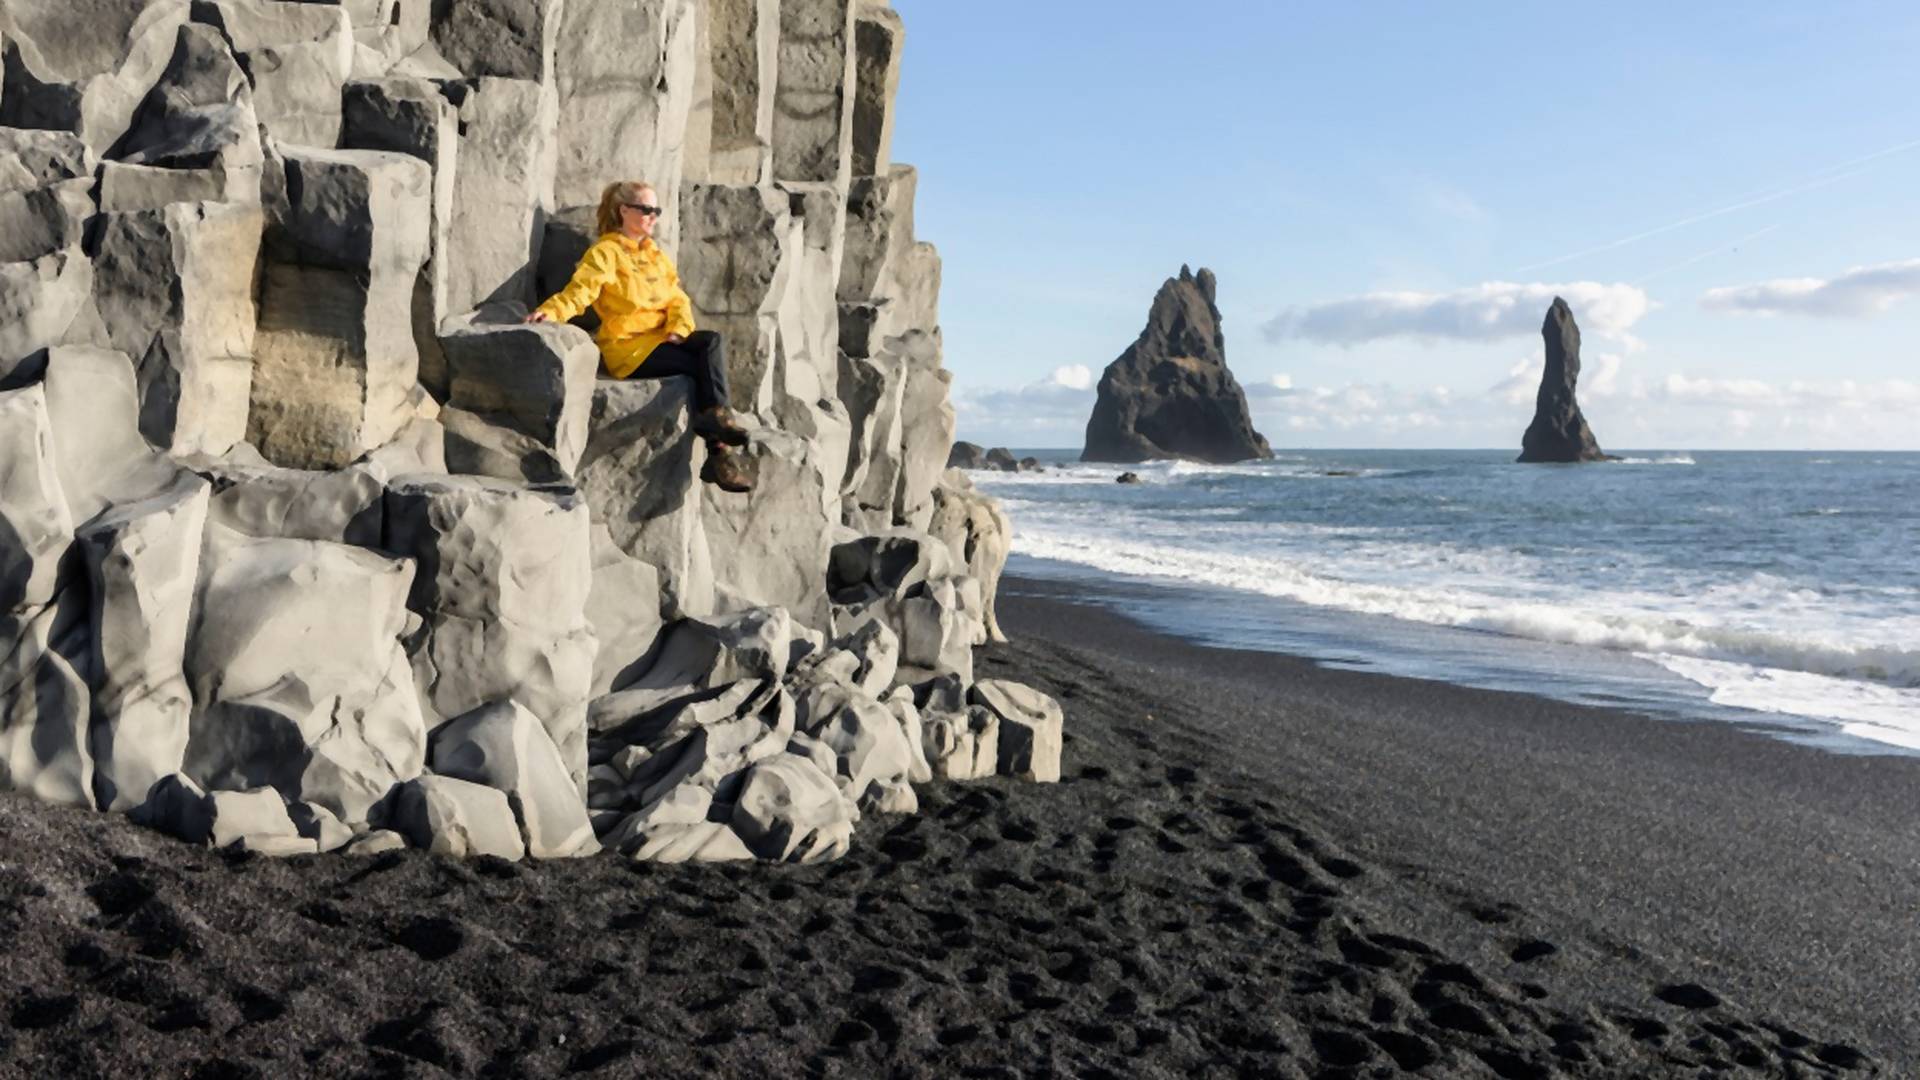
[(1170, 394), (1558, 431)]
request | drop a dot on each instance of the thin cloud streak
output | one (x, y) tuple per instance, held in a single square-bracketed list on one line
[(1721, 250), (1846, 170)]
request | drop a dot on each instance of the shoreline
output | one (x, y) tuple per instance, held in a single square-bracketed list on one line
[(1777, 871)]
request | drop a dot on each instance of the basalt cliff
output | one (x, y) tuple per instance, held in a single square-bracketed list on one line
[(306, 542), (1170, 395)]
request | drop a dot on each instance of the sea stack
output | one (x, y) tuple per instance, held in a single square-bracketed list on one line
[(1170, 394), (1558, 431)]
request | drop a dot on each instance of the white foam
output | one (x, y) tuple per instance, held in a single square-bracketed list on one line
[(1884, 714), (1670, 459), (1459, 586)]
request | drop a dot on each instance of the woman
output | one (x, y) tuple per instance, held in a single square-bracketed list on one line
[(646, 321)]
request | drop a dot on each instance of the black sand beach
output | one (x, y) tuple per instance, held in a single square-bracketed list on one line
[(1254, 867)]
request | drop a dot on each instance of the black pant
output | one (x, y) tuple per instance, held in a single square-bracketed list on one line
[(702, 356)]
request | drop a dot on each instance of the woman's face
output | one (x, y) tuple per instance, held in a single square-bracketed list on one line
[(638, 224)]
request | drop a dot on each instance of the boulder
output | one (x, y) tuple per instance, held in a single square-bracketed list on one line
[(297, 55), (40, 301), (873, 757), (502, 594), (1030, 728), (177, 806), (533, 381), (335, 356), (1559, 433), (641, 476), (175, 292), (142, 560), (504, 746), (319, 825), (1170, 395), (376, 842), (236, 815), (84, 66), (788, 810), (966, 455), (1000, 458), (908, 581), (1127, 478), (457, 818), (719, 650), (978, 535), (338, 725), (503, 187)]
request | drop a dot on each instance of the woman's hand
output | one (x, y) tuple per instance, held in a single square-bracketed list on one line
[(537, 316), (675, 339)]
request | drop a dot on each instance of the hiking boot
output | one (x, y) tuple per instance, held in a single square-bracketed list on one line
[(717, 425), (724, 471)]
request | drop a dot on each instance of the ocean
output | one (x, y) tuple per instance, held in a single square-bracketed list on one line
[(1777, 591)]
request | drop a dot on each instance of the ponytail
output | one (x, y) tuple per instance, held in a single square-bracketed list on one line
[(625, 191)]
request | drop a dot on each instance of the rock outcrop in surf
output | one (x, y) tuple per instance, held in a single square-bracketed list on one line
[(1559, 433), (1170, 395)]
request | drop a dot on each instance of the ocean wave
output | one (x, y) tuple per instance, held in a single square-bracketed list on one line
[(1547, 618), (1883, 714), (1670, 459)]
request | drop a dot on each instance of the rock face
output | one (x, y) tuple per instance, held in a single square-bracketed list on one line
[(1558, 432), (308, 543), (1170, 394)]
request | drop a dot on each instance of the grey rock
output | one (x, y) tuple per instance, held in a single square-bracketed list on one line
[(741, 73), (1170, 395), (1127, 478), (259, 812), (536, 381), (411, 116), (36, 528), (199, 115), (338, 725), (99, 453), (1030, 728), (503, 189), (966, 455), (505, 574), (873, 757), (40, 300), (814, 92), (318, 824), (457, 818), (624, 611), (84, 65), (504, 746), (641, 474), (142, 560), (267, 502), (623, 110), (770, 547), (45, 701), (879, 37), (175, 291), (1002, 459), (376, 842), (1559, 432), (177, 806), (297, 55), (509, 39), (978, 535), (335, 357), (789, 810)]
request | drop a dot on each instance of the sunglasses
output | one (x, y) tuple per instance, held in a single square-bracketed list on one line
[(643, 208)]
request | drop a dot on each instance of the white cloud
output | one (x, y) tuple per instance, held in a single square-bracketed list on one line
[(1861, 291), (1487, 312), (1793, 396), (1270, 387), (1072, 377), (1599, 378)]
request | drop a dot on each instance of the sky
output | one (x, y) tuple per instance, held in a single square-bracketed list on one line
[(1391, 194)]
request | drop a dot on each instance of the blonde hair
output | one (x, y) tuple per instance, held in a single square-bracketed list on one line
[(625, 191)]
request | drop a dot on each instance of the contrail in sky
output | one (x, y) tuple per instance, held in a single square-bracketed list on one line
[(1846, 170), (1705, 255)]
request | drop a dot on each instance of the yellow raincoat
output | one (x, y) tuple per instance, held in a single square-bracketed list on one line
[(633, 287)]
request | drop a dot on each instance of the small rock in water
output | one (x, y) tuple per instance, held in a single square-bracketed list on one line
[(1127, 478)]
